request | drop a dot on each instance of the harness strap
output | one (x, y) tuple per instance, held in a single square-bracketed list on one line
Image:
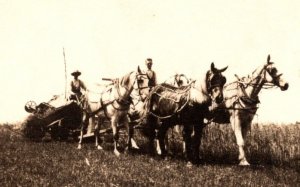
[(176, 112), (104, 107), (120, 100), (126, 106)]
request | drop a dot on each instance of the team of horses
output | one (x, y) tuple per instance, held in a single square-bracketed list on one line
[(183, 102)]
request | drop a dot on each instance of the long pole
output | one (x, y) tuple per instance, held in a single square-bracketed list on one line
[(65, 72)]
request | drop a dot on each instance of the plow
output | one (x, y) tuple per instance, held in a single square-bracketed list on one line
[(60, 122)]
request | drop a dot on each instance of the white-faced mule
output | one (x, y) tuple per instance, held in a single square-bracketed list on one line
[(241, 99), (114, 105), (187, 105)]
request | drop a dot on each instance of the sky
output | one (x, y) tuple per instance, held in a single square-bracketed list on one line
[(111, 38)]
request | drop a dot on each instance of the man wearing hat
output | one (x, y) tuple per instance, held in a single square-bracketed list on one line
[(77, 86), (150, 73)]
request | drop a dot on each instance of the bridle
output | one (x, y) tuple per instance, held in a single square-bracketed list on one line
[(213, 80), (257, 81), (260, 78), (125, 100), (140, 88), (139, 77)]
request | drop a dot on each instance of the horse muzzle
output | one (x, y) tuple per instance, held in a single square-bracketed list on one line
[(284, 87), (219, 99)]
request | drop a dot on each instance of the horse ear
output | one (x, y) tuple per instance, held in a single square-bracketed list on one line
[(268, 59), (139, 70), (212, 68), (223, 69), (215, 70)]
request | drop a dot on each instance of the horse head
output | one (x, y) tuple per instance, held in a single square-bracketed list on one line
[(272, 76), (135, 80), (142, 84), (215, 82)]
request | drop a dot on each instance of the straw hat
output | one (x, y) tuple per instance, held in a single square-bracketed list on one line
[(76, 73)]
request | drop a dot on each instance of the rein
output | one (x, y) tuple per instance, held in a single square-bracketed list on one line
[(120, 102), (245, 98)]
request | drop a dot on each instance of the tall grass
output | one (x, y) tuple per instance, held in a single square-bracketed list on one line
[(265, 144), (273, 150)]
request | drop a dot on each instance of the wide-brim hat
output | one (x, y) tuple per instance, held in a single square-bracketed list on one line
[(76, 73)]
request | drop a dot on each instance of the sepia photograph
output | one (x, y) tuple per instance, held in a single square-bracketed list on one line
[(149, 93)]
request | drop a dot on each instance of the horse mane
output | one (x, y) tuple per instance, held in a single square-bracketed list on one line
[(199, 92), (125, 79), (203, 83)]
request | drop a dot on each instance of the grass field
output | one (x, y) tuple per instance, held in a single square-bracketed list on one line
[(273, 151)]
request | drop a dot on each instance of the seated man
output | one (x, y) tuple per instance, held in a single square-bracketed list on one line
[(77, 86)]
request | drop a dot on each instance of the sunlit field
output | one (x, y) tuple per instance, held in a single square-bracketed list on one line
[(273, 151)]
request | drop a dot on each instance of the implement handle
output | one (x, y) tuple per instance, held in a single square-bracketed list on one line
[(107, 79)]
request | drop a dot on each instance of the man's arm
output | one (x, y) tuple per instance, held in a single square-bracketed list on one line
[(82, 85), (155, 80)]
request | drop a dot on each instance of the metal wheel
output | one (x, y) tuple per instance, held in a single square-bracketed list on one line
[(30, 106)]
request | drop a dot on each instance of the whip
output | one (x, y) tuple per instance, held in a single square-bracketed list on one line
[(65, 72)]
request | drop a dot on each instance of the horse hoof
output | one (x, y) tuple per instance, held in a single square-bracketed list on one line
[(134, 144), (99, 147), (189, 164), (117, 153), (159, 152), (244, 163), (135, 147), (79, 147)]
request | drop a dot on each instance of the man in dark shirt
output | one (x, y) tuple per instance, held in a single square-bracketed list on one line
[(151, 74)]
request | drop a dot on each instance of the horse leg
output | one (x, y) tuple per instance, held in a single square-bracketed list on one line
[(246, 125), (158, 149), (171, 132), (187, 132), (130, 141), (130, 136), (114, 126), (161, 139), (150, 131), (197, 141), (166, 140), (83, 126), (237, 128), (96, 133), (80, 137), (151, 141), (179, 131)]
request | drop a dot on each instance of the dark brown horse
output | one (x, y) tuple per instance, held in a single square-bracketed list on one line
[(188, 105)]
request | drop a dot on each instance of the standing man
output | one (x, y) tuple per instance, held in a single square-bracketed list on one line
[(77, 86), (150, 73)]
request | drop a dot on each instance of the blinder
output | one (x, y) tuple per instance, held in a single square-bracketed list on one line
[(214, 80)]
